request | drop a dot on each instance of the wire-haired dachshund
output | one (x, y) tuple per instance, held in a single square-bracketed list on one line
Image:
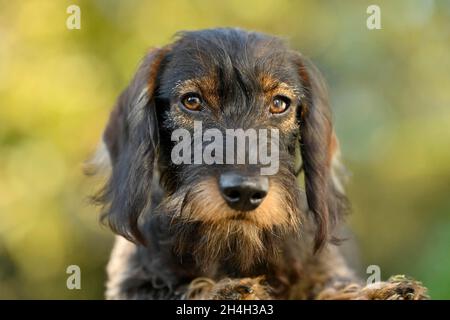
[(194, 225)]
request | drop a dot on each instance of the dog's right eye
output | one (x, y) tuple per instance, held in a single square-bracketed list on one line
[(279, 104), (191, 101)]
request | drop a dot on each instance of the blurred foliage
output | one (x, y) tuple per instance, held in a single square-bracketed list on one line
[(390, 90)]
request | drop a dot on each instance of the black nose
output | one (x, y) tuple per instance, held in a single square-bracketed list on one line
[(241, 192)]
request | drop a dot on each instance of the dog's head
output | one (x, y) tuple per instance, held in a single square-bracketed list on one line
[(219, 114)]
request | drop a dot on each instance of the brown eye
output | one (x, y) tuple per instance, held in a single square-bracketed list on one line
[(279, 104), (192, 102)]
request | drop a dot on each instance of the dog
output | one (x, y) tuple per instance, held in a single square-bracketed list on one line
[(196, 230)]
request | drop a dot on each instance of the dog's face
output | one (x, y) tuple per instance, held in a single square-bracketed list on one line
[(176, 117)]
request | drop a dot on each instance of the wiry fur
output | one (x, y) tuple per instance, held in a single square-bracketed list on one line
[(177, 236)]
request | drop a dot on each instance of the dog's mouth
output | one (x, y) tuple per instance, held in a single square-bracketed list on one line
[(240, 216), (247, 217)]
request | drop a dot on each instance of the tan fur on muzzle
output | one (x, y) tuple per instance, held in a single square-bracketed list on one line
[(223, 228)]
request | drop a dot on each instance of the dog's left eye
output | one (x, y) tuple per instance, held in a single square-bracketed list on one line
[(280, 104), (192, 101)]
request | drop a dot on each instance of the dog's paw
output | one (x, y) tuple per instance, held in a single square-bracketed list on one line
[(229, 289), (241, 289), (398, 287)]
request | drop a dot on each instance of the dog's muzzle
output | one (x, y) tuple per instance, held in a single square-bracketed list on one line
[(243, 192)]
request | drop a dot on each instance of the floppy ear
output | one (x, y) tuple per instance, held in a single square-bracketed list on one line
[(131, 139), (319, 149)]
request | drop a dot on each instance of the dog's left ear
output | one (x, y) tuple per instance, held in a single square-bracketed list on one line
[(131, 139), (319, 149)]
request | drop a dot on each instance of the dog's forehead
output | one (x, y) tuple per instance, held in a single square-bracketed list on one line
[(228, 58)]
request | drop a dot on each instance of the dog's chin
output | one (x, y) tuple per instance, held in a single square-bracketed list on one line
[(208, 229), (237, 242)]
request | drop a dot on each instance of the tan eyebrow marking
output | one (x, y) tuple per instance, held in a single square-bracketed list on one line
[(185, 86), (271, 85), (206, 86)]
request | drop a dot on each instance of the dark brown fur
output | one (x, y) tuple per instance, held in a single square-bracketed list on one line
[(177, 237)]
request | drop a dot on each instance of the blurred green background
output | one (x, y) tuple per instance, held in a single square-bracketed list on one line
[(390, 90)]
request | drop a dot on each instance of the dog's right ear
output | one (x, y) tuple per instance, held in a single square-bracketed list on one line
[(131, 139)]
